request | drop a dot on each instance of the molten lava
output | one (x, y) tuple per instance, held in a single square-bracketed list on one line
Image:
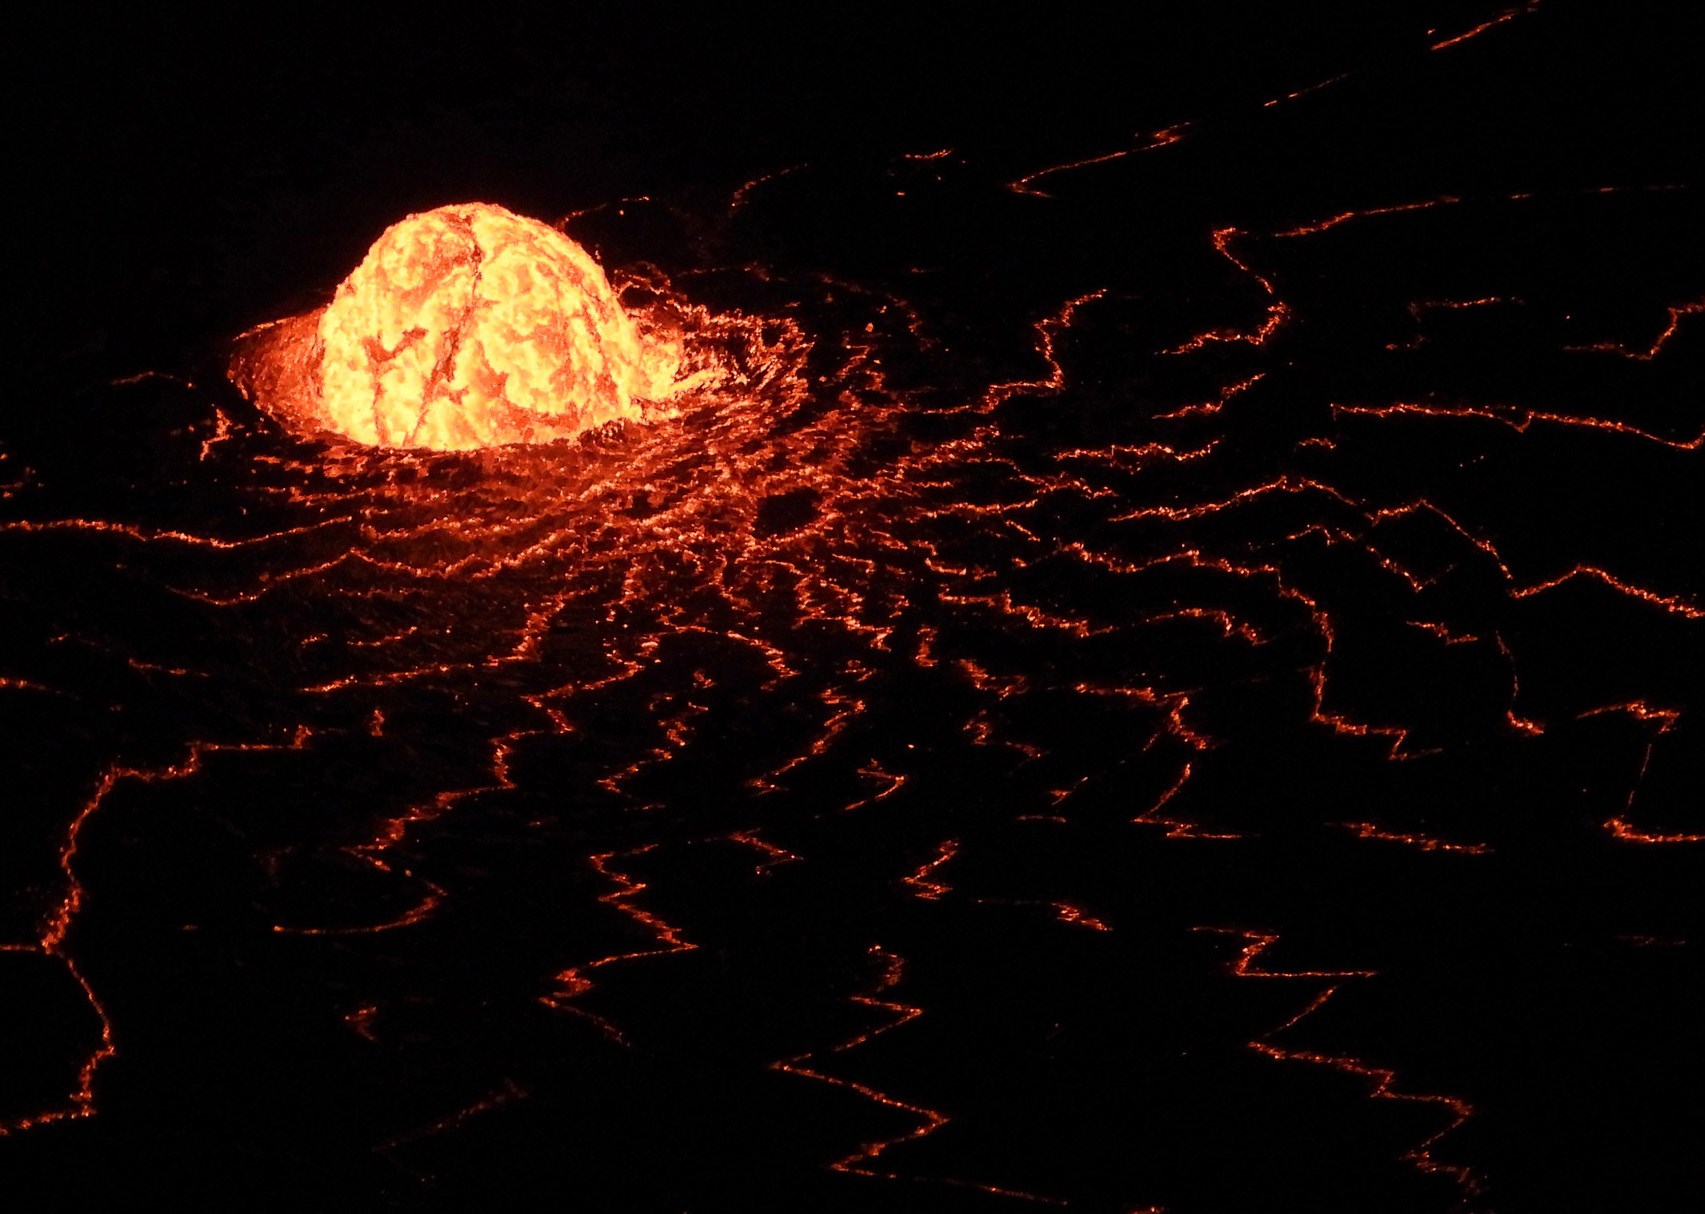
[(464, 327)]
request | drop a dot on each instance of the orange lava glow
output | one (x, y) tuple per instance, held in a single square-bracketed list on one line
[(927, 1120), (464, 327), (1382, 1079)]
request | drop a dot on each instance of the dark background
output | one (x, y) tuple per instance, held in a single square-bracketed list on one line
[(188, 173)]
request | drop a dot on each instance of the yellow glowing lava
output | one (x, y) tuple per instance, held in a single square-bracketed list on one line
[(470, 326)]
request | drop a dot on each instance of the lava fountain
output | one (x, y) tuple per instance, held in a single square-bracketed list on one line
[(467, 326)]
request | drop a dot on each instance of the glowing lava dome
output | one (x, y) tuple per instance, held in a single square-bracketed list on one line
[(466, 326)]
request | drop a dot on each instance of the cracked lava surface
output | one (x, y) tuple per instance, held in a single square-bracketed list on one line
[(969, 721)]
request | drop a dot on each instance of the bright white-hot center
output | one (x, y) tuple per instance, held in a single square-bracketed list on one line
[(470, 326)]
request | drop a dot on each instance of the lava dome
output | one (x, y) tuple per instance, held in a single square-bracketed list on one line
[(467, 326)]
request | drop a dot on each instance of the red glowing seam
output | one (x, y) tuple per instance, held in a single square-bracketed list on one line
[(915, 324), (221, 431), (394, 830), (1284, 483), (1058, 796), (1000, 685), (1331, 533), (1303, 92), (1105, 561), (617, 203), (846, 709), (1065, 912), (1277, 313), (1338, 535), (1174, 703), (743, 192), (1675, 604), (1010, 524), (272, 581), (1255, 943), (1228, 624), (905, 1013), (1316, 226), (391, 678), (651, 758), (1676, 312), (891, 782), (380, 642), (143, 535), (939, 154), (944, 568), (773, 855), (1221, 241), (60, 922), (934, 890), (1195, 559), (1203, 408), (982, 732), (82, 1098), (1177, 828), (677, 726), (815, 597), (1444, 633), (1413, 580), (1046, 483), (143, 377), (1164, 137), (1418, 306), (1640, 710), (574, 980), (528, 638), (1384, 1079), (360, 1021), (1520, 724), (176, 672), (774, 658), (419, 912), (1516, 417), (1407, 508), (509, 1092), (1624, 831), (920, 881), (1396, 736), (1508, 14), (1123, 456), (14, 683), (1047, 332), (1619, 826), (52, 939), (1152, 140), (1672, 603), (476, 566), (929, 1120), (1371, 830)]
